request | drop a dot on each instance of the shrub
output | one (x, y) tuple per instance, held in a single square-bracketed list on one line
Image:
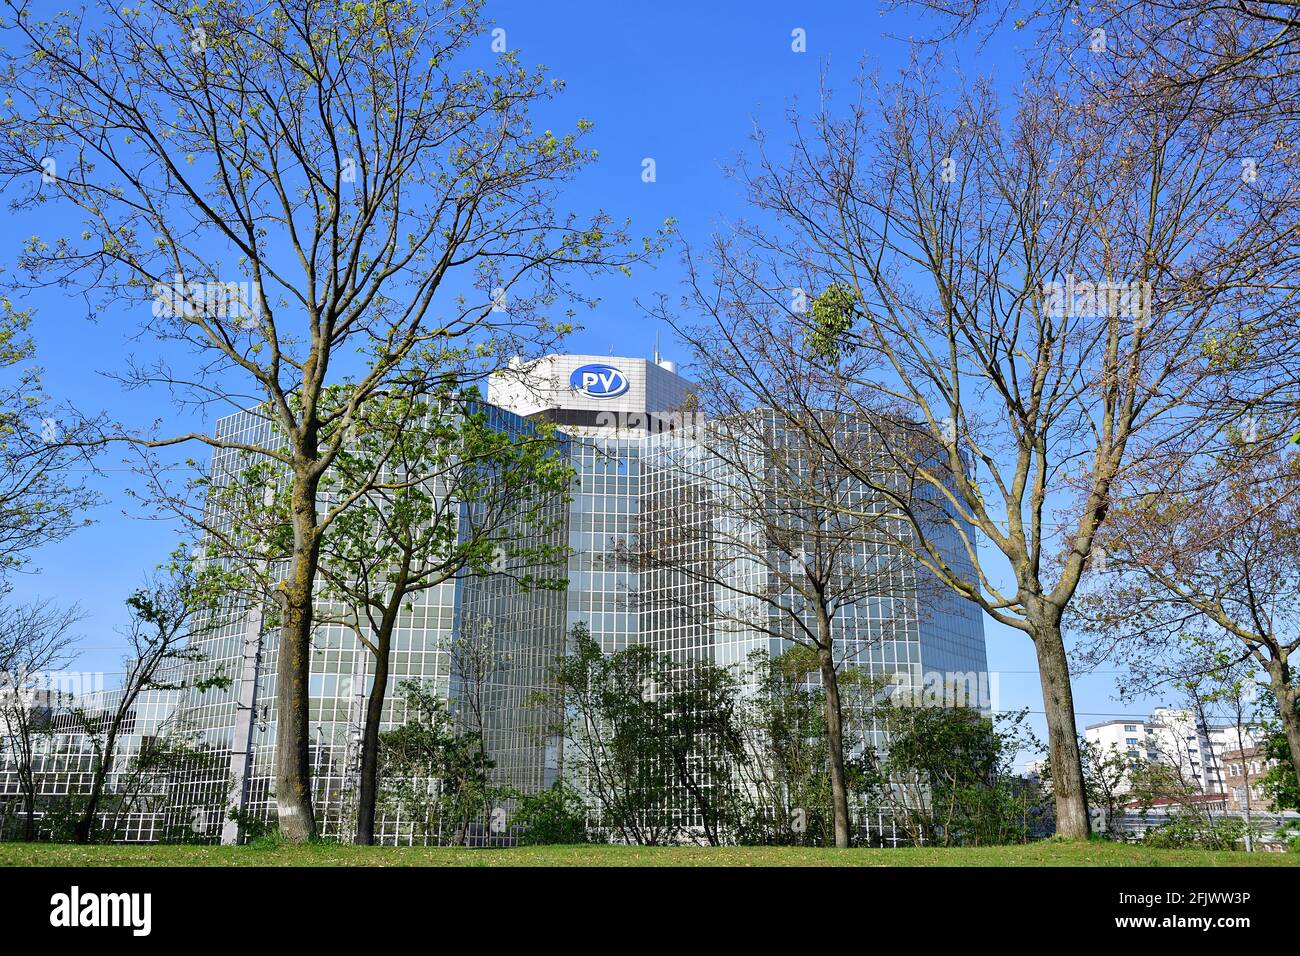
[(552, 816)]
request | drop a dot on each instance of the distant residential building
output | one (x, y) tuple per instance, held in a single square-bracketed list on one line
[(1172, 737), (1243, 771), (1126, 737), (1179, 740), (1229, 737)]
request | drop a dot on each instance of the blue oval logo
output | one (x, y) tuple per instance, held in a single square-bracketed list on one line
[(598, 381)]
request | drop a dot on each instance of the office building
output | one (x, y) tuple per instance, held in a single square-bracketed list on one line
[(1175, 738), (643, 463)]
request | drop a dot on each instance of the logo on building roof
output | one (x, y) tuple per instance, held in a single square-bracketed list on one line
[(598, 381)]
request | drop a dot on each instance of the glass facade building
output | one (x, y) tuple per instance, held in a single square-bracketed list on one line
[(645, 466), (480, 643), (645, 472)]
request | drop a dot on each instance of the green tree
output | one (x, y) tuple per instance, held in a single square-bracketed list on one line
[(1280, 783), (311, 193), (947, 774), (434, 775), (702, 739), (457, 496), (612, 733), (552, 816), (651, 741)]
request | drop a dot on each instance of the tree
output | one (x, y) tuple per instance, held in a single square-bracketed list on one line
[(477, 663), (1024, 308), (653, 743), (158, 781), (1203, 579), (1107, 774), (1242, 55), (436, 775), (610, 732), (702, 737), (310, 193), (1230, 689), (35, 638), (1280, 784), (785, 783), (161, 613), (747, 537), (1230, 67), (40, 502), (1166, 782), (947, 774), (554, 815), (460, 497)]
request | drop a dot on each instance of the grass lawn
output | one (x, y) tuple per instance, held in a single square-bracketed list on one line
[(1048, 853)]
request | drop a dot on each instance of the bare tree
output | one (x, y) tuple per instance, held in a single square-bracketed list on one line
[(476, 660), (35, 639), (161, 613), (1035, 298), (1203, 578), (41, 500), (1245, 54), (292, 184)]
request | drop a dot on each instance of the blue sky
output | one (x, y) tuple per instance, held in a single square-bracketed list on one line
[(681, 83)]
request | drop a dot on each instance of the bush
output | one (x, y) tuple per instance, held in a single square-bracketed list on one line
[(59, 822), (552, 816), (251, 826), (1193, 831), (1289, 833)]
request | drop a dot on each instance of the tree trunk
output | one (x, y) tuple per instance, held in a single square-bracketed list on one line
[(297, 819), (834, 733), (29, 824), (1279, 675), (687, 780), (369, 788), (86, 825), (1241, 749), (1062, 734)]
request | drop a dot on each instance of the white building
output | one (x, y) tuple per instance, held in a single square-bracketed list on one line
[(1173, 737), (592, 394), (1127, 736), (1180, 740)]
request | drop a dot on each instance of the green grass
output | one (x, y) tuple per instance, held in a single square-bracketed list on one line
[(1048, 853)]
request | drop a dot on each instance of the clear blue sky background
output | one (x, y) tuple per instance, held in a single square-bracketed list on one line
[(680, 82)]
